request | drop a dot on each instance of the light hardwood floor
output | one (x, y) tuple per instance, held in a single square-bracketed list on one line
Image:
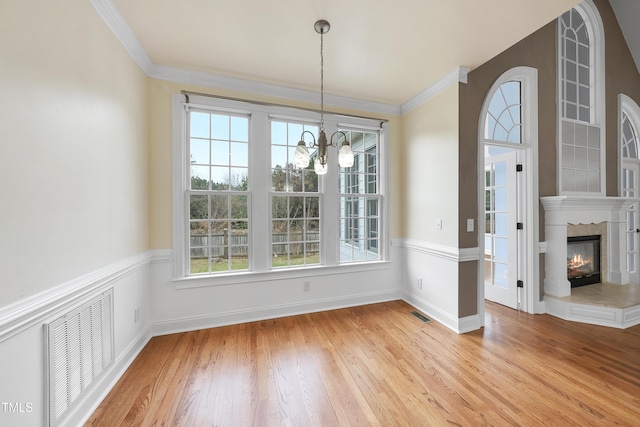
[(377, 365)]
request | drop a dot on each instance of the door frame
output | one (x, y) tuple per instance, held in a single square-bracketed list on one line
[(530, 267)]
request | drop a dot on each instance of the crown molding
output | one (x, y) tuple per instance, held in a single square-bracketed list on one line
[(199, 78), (457, 75), (122, 31), (114, 20)]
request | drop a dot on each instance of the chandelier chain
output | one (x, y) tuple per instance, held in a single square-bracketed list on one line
[(321, 80)]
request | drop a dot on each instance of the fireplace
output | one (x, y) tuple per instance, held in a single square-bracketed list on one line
[(583, 260)]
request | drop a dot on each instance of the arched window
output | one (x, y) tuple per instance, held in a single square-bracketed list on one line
[(629, 124), (576, 69), (504, 117), (629, 138), (581, 152)]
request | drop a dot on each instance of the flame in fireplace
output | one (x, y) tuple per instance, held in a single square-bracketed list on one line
[(577, 260), (579, 265)]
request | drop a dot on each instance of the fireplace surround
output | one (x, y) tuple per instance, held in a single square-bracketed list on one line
[(561, 212)]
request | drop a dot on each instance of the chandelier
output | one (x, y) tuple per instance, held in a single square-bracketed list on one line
[(345, 154)]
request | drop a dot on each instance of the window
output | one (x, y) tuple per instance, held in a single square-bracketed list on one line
[(241, 207), (503, 121), (218, 196), (360, 200), (576, 70), (581, 100), (629, 139), (295, 201)]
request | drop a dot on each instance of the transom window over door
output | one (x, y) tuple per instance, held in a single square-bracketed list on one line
[(503, 120)]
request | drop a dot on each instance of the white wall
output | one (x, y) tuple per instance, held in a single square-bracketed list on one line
[(180, 309), (73, 147), (431, 149), (73, 186), (430, 138)]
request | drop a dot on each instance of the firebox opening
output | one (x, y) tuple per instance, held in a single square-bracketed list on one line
[(583, 260)]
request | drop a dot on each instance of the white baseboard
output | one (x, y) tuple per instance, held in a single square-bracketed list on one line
[(243, 316), (620, 318), (432, 311)]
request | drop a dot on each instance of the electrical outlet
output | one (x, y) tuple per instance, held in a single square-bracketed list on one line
[(136, 315), (419, 283), (438, 224), (307, 285)]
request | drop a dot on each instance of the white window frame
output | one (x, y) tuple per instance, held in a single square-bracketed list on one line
[(628, 107), (259, 192), (589, 13)]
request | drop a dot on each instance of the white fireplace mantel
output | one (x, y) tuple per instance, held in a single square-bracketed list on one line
[(559, 211)]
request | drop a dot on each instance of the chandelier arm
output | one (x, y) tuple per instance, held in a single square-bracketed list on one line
[(335, 144), (309, 144)]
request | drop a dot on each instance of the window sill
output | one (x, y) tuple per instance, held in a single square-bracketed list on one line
[(265, 276)]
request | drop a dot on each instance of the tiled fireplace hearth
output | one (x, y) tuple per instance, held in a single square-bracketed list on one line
[(576, 216)]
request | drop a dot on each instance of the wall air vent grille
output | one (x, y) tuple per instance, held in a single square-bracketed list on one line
[(79, 347)]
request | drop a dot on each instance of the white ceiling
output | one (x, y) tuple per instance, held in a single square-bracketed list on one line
[(386, 51)]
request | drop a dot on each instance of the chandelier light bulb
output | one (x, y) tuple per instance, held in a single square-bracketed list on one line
[(319, 167), (301, 155), (345, 155)]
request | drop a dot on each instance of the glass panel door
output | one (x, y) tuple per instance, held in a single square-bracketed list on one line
[(500, 254), (630, 178)]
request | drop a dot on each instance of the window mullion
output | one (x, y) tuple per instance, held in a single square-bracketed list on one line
[(330, 212), (259, 186)]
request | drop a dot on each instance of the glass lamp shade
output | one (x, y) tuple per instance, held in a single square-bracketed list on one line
[(301, 155), (345, 156), (320, 168)]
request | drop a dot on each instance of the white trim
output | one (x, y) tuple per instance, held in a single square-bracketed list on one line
[(529, 79), (180, 75), (629, 107), (192, 282), (457, 75), (116, 23), (459, 326), (178, 206), (161, 255), (620, 318), (448, 253), (17, 317), (263, 313)]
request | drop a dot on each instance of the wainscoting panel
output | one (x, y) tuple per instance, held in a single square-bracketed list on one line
[(23, 347)]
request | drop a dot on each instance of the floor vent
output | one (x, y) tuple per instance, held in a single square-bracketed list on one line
[(420, 316), (79, 347)]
